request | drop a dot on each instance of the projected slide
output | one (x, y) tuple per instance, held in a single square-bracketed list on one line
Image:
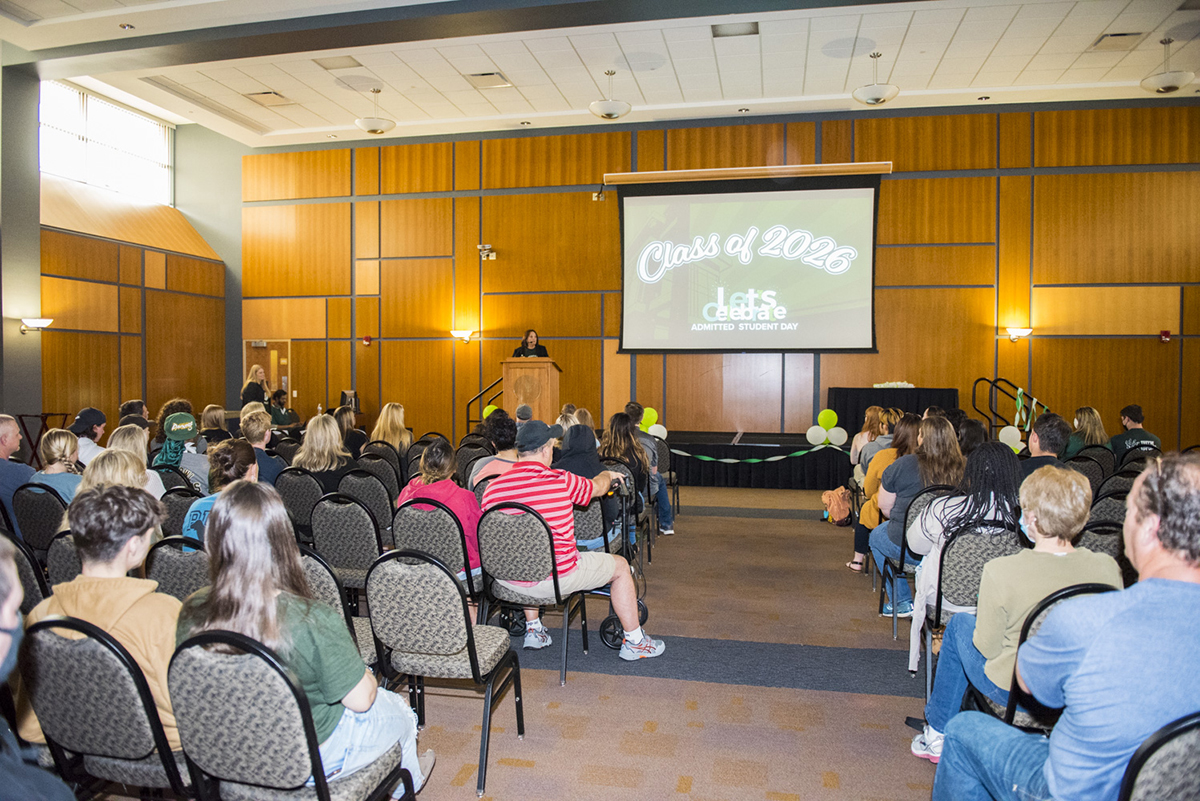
[(749, 271)]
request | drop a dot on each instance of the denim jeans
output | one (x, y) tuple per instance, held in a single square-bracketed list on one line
[(666, 516), (362, 737), (881, 547), (958, 663), (983, 759)]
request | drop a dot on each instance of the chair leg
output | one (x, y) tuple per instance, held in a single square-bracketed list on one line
[(562, 674), (928, 659), (583, 622), (483, 735), (516, 674), (895, 607), (421, 701)]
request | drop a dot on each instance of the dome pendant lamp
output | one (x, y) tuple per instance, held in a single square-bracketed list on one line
[(609, 109), (875, 93), (1165, 82), (375, 125)]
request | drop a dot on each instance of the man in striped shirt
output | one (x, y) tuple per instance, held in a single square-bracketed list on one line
[(553, 494)]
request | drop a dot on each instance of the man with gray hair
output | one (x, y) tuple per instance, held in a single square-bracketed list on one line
[(1123, 664), (12, 474)]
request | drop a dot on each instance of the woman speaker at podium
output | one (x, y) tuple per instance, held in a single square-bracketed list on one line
[(529, 346)]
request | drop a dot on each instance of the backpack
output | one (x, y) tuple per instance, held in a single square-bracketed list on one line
[(837, 506)]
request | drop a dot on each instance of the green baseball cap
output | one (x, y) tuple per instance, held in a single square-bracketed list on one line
[(180, 426)]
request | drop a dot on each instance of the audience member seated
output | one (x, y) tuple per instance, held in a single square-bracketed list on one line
[(173, 406), (133, 438), (554, 494), (59, 452), (987, 493), (658, 487), (278, 409), (322, 452), (982, 648), (937, 461), (524, 414), (256, 429), (887, 422), (957, 417), (902, 443), (134, 408), (436, 483), (133, 420), (620, 441), (1046, 440), (228, 461), (1134, 434), (180, 450), (579, 456), (89, 427), (256, 387), (390, 428), (113, 528), (212, 424), (934, 411), (19, 780), (585, 419), (1123, 664), (501, 431), (972, 434), (1089, 431), (870, 432), (352, 438), (355, 721), (12, 474)]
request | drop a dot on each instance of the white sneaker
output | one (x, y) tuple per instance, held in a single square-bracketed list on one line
[(536, 639), (425, 761), (928, 744), (646, 649)]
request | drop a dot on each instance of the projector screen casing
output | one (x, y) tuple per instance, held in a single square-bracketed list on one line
[(732, 188)]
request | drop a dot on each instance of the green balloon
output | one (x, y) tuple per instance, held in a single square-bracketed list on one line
[(827, 419), (649, 418), (488, 411)]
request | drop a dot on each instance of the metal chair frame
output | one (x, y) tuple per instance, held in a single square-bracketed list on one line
[(1151, 745)]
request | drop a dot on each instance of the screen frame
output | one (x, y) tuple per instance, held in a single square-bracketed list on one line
[(709, 187)]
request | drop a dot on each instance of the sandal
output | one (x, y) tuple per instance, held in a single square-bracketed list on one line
[(856, 565)]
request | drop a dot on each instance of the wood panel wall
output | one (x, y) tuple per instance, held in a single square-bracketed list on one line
[(1077, 222), (129, 322)]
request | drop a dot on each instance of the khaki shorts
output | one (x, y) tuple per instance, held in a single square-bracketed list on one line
[(593, 570)]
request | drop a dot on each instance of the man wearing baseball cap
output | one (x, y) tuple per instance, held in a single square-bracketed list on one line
[(553, 494), (89, 427)]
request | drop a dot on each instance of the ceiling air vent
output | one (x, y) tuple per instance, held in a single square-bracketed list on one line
[(269, 99), (1116, 42), (735, 29), (488, 80)]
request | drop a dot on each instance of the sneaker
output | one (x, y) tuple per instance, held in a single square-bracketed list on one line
[(426, 761), (928, 744), (904, 610), (646, 649), (536, 639), (666, 532)]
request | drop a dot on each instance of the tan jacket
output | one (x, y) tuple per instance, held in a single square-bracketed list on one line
[(129, 609), (869, 515)]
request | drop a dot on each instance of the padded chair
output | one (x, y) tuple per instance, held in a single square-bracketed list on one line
[(62, 560), (515, 544), (367, 488), (172, 477), (30, 574), (589, 525), (423, 630), (39, 514), (1118, 482), (1135, 457), (347, 535), (385, 451), (900, 569), (326, 588), (246, 723), (1167, 765), (177, 501), (300, 491), (1109, 508), (383, 470), (286, 449), (649, 532), (95, 708), (1102, 455), (465, 456), (1090, 468), (474, 438), (481, 488), (666, 472), (178, 573), (1108, 537), (430, 436), (437, 531)]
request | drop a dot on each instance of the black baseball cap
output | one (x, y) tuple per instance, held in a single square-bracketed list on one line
[(86, 419), (134, 419), (534, 434)]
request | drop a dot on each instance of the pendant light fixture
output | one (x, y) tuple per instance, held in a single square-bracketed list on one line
[(609, 109), (875, 93), (376, 124), (1165, 82)]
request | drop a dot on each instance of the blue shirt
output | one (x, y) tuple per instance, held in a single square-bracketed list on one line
[(65, 484), (269, 467), (12, 476), (197, 517), (1124, 665)]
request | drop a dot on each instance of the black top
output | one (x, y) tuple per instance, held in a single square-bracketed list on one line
[(215, 435), (254, 392), (579, 456), (331, 478), (1034, 462), (354, 441), (536, 350)]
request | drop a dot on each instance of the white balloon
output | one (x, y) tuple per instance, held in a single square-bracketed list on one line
[(838, 436), (816, 435), (1010, 436), (658, 430)]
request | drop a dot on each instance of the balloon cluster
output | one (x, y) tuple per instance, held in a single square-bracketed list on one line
[(827, 431), (488, 411), (649, 418), (1011, 436)]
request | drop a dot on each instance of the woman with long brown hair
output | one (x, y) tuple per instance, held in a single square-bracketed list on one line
[(620, 441), (938, 460), (904, 442), (258, 589), (353, 439), (870, 431), (1089, 431)]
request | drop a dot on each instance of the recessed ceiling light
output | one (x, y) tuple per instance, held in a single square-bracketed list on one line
[(269, 99), (331, 136), (125, 26), (986, 97), (337, 62), (526, 122), (743, 110), (735, 29), (488, 80)]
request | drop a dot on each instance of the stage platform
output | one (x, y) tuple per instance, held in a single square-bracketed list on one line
[(821, 469)]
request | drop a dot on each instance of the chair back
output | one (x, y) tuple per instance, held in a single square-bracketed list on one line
[(664, 454), (1102, 455), (515, 544), (1109, 508), (1090, 468), (345, 532), (383, 470), (366, 487), (474, 438), (38, 509), (172, 477), (418, 607), (1118, 482), (1166, 765), (300, 491), (324, 584), (618, 466), (242, 717), (286, 449), (589, 521), (1137, 456), (29, 572), (966, 551), (430, 526), (922, 500), (62, 560), (1103, 537), (430, 436), (481, 487), (91, 698), (178, 573), (177, 502), (389, 454), (466, 455)]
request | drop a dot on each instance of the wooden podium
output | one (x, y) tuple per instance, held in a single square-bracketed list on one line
[(533, 381)]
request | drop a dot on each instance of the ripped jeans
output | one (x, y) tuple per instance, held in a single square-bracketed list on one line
[(362, 737)]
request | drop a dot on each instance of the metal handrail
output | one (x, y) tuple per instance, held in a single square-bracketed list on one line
[(993, 414), (479, 397)]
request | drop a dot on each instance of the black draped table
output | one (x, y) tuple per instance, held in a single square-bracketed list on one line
[(823, 469), (851, 403)]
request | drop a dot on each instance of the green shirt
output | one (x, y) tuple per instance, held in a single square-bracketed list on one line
[(320, 653), (1076, 444), (1131, 439)]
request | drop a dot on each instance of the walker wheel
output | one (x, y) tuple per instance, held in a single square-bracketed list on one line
[(643, 612), (515, 623), (611, 633)]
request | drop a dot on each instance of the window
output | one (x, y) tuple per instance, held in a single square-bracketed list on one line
[(88, 139)]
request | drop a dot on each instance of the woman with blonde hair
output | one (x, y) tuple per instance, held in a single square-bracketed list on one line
[(256, 387), (322, 452), (212, 424), (390, 428), (59, 452), (132, 438), (352, 438), (114, 468), (1089, 431)]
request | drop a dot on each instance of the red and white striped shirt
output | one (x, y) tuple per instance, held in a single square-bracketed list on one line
[(551, 493)]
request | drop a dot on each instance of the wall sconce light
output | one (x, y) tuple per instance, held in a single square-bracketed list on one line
[(464, 335), (35, 323), (486, 252), (1015, 334)]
